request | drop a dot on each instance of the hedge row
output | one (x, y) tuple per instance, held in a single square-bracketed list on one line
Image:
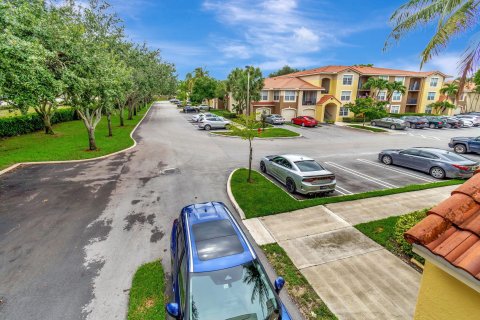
[(14, 126)]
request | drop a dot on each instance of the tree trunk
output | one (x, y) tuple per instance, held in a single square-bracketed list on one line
[(130, 111), (48, 125), (91, 138), (135, 109), (122, 121), (250, 162), (109, 121)]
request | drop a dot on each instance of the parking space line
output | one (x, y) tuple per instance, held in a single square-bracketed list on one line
[(362, 175), (342, 190), (413, 175)]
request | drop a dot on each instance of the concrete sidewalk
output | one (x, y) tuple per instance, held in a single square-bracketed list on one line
[(356, 277)]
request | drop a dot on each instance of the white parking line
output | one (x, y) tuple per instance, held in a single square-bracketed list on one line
[(343, 190), (362, 175), (413, 175)]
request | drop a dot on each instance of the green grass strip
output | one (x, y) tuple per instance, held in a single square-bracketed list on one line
[(268, 133), (356, 126), (309, 303), (147, 293), (70, 142), (263, 197)]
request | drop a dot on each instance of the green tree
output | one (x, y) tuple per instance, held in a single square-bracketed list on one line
[(452, 18), (245, 86), (284, 70), (203, 89), (375, 85), (368, 108), (393, 87), (451, 91), (440, 107)]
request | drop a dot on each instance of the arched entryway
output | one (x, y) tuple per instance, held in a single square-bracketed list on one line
[(330, 112)]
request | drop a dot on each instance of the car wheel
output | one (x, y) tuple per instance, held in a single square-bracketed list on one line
[(263, 168), (303, 124), (207, 127), (290, 185), (432, 126), (460, 148), (412, 125), (386, 159), (392, 127), (437, 173), (374, 123)]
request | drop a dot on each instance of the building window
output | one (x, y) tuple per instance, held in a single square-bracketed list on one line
[(462, 97), (400, 79), (345, 95), (309, 98), (433, 82), (264, 95), (382, 95), (431, 96), (276, 95), (383, 77), (289, 95), (343, 112), (347, 80), (397, 96), (428, 109), (395, 109)]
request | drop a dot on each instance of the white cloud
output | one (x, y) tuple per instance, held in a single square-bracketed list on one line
[(235, 50)]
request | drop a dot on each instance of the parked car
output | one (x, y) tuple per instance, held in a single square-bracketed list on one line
[(435, 122), (465, 123), (392, 123), (216, 273), (451, 122), (465, 144), (305, 121), (415, 122), (438, 163), (473, 118), (299, 173), (175, 101), (203, 107), (198, 117), (209, 123), (189, 109), (275, 119)]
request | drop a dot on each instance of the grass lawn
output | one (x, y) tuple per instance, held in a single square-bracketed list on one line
[(388, 233), (267, 133), (146, 295), (70, 142), (357, 126), (263, 197), (309, 303)]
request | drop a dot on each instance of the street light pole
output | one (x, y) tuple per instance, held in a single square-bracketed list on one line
[(248, 90)]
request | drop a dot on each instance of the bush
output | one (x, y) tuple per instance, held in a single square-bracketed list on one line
[(14, 126), (403, 224), (352, 120)]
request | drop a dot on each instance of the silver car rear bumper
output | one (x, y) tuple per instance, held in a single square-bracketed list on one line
[(307, 188)]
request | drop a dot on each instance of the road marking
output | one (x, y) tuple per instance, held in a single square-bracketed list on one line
[(413, 175), (362, 175), (343, 190)]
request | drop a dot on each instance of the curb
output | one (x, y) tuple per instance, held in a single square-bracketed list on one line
[(366, 130), (232, 198), (81, 160)]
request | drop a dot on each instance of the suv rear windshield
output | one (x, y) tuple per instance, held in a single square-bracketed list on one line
[(308, 165)]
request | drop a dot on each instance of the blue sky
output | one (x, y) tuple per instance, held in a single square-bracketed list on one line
[(223, 34)]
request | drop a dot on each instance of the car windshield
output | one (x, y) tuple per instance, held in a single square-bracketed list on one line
[(242, 292), (308, 165)]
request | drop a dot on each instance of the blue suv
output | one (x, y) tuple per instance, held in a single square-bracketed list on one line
[(215, 271)]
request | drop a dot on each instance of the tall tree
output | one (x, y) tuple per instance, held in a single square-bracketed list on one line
[(238, 82), (286, 69), (451, 91), (368, 108), (375, 85), (393, 87), (203, 89)]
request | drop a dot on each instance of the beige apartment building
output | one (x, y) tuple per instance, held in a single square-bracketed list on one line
[(323, 92)]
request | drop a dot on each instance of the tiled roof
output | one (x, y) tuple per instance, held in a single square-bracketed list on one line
[(451, 230), (365, 71), (325, 98), (288, 83)]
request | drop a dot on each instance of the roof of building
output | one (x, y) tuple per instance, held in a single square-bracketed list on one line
[(285, 82), (365, 71), (326, 98), (451, 230)]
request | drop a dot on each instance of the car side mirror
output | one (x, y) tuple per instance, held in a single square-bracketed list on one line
[(279, 283), (173, 310)]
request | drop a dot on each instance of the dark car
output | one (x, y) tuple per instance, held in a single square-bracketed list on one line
[(415, 122), (465, 144), (216, 274), (437, 162), (189, 109), (391, 123), (451, 122), (435, 122)]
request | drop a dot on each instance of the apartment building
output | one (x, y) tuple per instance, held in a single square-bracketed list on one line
[(323, 92)]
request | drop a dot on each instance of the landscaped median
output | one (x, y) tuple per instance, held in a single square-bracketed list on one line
[(70, 142), (372, 129), (266, 133), (262, 197)]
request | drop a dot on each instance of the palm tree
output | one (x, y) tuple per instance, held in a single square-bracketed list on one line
[(451, 91), (393, 87), (453, 17), (376, 85)]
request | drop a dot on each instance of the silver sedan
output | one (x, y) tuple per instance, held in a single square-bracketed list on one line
[(299, 173)]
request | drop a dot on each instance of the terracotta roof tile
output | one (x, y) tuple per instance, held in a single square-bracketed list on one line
[(325, 98), (288, 83), (451, 230)]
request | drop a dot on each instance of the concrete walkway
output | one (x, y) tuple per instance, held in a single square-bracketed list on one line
[(356, 277)]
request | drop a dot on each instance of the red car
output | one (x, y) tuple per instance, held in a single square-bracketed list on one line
[(305, 121)]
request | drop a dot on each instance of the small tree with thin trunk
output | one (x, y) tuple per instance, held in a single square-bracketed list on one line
[(247, 132)]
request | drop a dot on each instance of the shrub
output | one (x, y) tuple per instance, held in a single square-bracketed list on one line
[(14, 126), (403, 224)]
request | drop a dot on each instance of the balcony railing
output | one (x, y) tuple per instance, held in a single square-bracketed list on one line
[(414, 87), (308, 103), (412, 101)]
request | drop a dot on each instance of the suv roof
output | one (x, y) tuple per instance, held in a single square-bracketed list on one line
[(214, 239)]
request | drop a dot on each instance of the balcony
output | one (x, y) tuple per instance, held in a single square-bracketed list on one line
[(414, 85), (308, 103), (309, 98), (412, 102)]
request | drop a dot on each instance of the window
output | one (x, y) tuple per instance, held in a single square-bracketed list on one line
[(276, 95), (397, 96), (428, 109), (308, 165), (462, 97), (395, 109), (347, 80), (400, 79), (410, 152), (309, 98), (383, 77), (433, 82), (431, 96), (182, 279), (382, 95), (428, 155), (343, 112), (264, 95), (289, 95), (345, 95)]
